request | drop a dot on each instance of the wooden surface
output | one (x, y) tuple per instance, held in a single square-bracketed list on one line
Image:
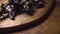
[(49, 26)]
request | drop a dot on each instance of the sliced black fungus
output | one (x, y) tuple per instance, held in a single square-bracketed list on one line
[(18, 7), (30, 12)]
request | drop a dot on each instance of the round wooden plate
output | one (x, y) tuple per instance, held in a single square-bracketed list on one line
[(24, 21)]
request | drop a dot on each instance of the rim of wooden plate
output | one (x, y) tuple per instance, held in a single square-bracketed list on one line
[(30, 24)]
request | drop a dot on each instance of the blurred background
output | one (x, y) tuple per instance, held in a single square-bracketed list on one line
[(58, 1)]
